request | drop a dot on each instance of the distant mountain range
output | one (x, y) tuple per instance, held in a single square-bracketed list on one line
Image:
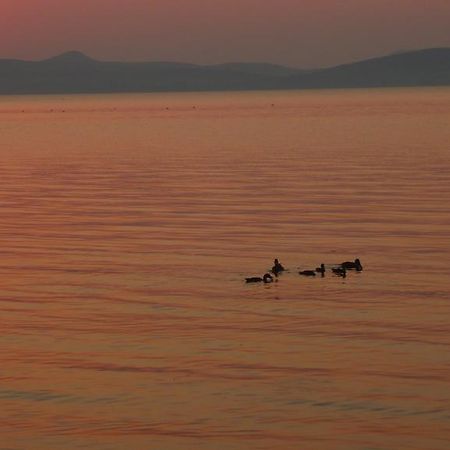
[(74, 72)]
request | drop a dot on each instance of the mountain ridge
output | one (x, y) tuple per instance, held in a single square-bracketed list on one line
[(75, 72)]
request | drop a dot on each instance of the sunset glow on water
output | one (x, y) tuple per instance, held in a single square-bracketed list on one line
[(129, 222)]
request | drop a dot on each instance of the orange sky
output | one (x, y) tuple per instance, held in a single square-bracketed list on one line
[(305, 33)]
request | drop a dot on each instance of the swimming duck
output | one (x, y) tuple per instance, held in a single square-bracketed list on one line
[(353, 265), (267, 278), (340, 271), (308, 273), (321, 269), (277, 267)]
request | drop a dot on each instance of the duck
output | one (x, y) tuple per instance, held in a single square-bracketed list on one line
[(266, 278), (321, 269), (277, 267), (352, 265), (307, 273), (340, 271)]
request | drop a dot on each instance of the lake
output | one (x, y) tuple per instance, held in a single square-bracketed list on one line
[(129, 222)]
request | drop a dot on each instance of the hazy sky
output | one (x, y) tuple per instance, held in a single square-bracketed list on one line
[(304, 33)]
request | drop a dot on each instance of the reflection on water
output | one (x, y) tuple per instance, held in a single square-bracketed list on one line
[(129, 224)]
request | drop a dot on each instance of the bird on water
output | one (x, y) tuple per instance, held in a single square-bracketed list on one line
[(277, 267), (340, 271), (267, 278), (321, 269), (308, 273), (352, 265)]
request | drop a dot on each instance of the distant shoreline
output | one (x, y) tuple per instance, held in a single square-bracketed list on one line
[(118, 93)]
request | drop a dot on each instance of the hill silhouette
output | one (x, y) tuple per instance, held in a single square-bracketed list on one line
[(74, 72)]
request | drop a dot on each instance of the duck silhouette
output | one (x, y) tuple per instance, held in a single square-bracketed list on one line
[(266, 278), (308, 273), (340, 271), (277, 267), (321, 269), (352, 265)]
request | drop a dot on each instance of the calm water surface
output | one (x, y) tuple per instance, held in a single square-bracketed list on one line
[(128, 223)]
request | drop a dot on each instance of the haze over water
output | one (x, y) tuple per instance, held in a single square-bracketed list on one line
[(129, 222)]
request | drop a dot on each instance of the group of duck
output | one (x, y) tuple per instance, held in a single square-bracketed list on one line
[(339, 270)]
